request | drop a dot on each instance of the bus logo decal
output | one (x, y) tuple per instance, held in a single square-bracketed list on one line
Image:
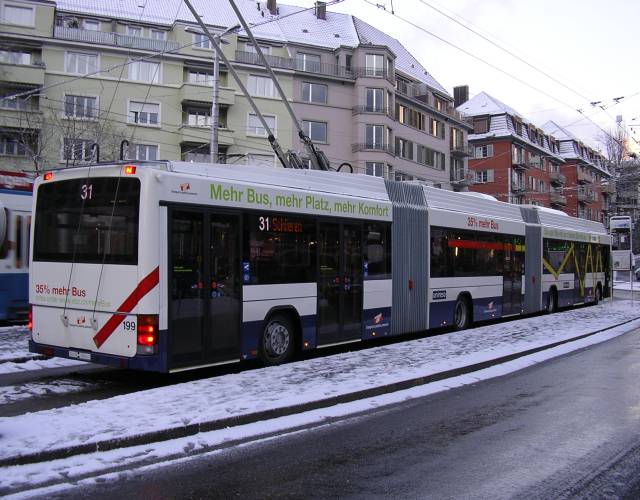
[(147, 284)]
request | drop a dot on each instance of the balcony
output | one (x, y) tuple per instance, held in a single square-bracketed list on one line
[(585, 197), (608, 189), (375, 146), (420, 92), (379, 110), (295, 65), (116, 39), (558, 199), (518, 187), (584, 178), (461, 150), (202, 135), (194, 93), (32, 74), (461, 177), (520, 163), (375, 73), (557, 178)]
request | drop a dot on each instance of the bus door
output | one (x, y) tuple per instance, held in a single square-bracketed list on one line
[(205, 288), (512, 283), (340, 289)]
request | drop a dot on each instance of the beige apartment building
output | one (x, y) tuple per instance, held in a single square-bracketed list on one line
[(74, 73)]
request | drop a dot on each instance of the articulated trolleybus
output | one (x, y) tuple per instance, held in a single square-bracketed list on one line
[(170, 266)]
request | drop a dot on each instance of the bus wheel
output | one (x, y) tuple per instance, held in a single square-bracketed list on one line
[(461, 314), (552, 301), (277, 341)]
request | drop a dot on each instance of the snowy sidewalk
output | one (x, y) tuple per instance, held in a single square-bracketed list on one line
[(255, 395)]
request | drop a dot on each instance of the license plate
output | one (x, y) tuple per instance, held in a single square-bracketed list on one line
[(85, 356)]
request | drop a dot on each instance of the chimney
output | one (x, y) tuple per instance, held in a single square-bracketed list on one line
[(273, 8), (321, 10), (460, 95)]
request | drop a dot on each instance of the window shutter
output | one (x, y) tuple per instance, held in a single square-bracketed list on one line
[(490, 150), (478, 153), (490, 176)]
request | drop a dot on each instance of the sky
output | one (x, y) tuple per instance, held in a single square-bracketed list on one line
[(585, 46)]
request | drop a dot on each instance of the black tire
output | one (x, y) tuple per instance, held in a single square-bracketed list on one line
[(277, 341), (552, 301), (461, 314)]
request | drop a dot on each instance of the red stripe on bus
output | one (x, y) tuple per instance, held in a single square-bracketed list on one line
[(144, 287), (489, 245)]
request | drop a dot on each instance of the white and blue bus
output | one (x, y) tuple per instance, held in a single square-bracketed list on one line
[(15, 226), (170, 266)]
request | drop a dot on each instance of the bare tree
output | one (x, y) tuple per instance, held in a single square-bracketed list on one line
[(50, 135), (616, 145)]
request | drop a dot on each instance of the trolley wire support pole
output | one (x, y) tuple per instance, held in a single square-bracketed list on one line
[(318, 159), (272, 140)]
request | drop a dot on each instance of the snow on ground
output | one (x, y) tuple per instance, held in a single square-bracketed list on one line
[(296, 383), (14, 393), (45, 478), (625, 285), (14, 344)]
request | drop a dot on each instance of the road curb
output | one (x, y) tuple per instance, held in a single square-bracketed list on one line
[(212, 425)]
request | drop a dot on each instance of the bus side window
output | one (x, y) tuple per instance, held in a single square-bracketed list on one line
[(18, 254), (4, 245)]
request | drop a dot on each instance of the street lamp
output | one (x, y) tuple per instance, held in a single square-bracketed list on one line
[(213, 141)]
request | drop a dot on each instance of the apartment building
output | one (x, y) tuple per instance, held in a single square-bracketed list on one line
[(518, 162), (76, 73), (587, 172)]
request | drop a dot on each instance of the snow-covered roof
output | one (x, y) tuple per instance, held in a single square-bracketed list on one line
[(570, 146), (292, 24), (484, 104)]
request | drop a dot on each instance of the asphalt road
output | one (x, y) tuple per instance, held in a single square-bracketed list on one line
[(566, 428)]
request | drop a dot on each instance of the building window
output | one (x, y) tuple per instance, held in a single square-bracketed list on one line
[(485, 151), (314, 92), (542, 187), (144, 113), (308, 62), (80, 63), (375, 100), (76, 149), (11, 146), (348, 62), (404, 148), (143, 152), (134, 31), (198, 117), (144, 71), (91, 25), (21, 103), (401, 176), (374, 136), (431, 158), (158, 34), (317, 131), (18, 14), (261, 86), (484, 176), (374, 65), (201, 41), (249, 47), (201, 77), (374, 168), (76, 106), (254, 127), (480, 125), (15, 57), (436, 128)]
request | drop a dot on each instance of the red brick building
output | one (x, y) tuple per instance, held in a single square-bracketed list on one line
[(517, 162), (591, 188)]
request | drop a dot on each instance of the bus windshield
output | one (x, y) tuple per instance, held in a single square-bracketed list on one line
[(80, 220)]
